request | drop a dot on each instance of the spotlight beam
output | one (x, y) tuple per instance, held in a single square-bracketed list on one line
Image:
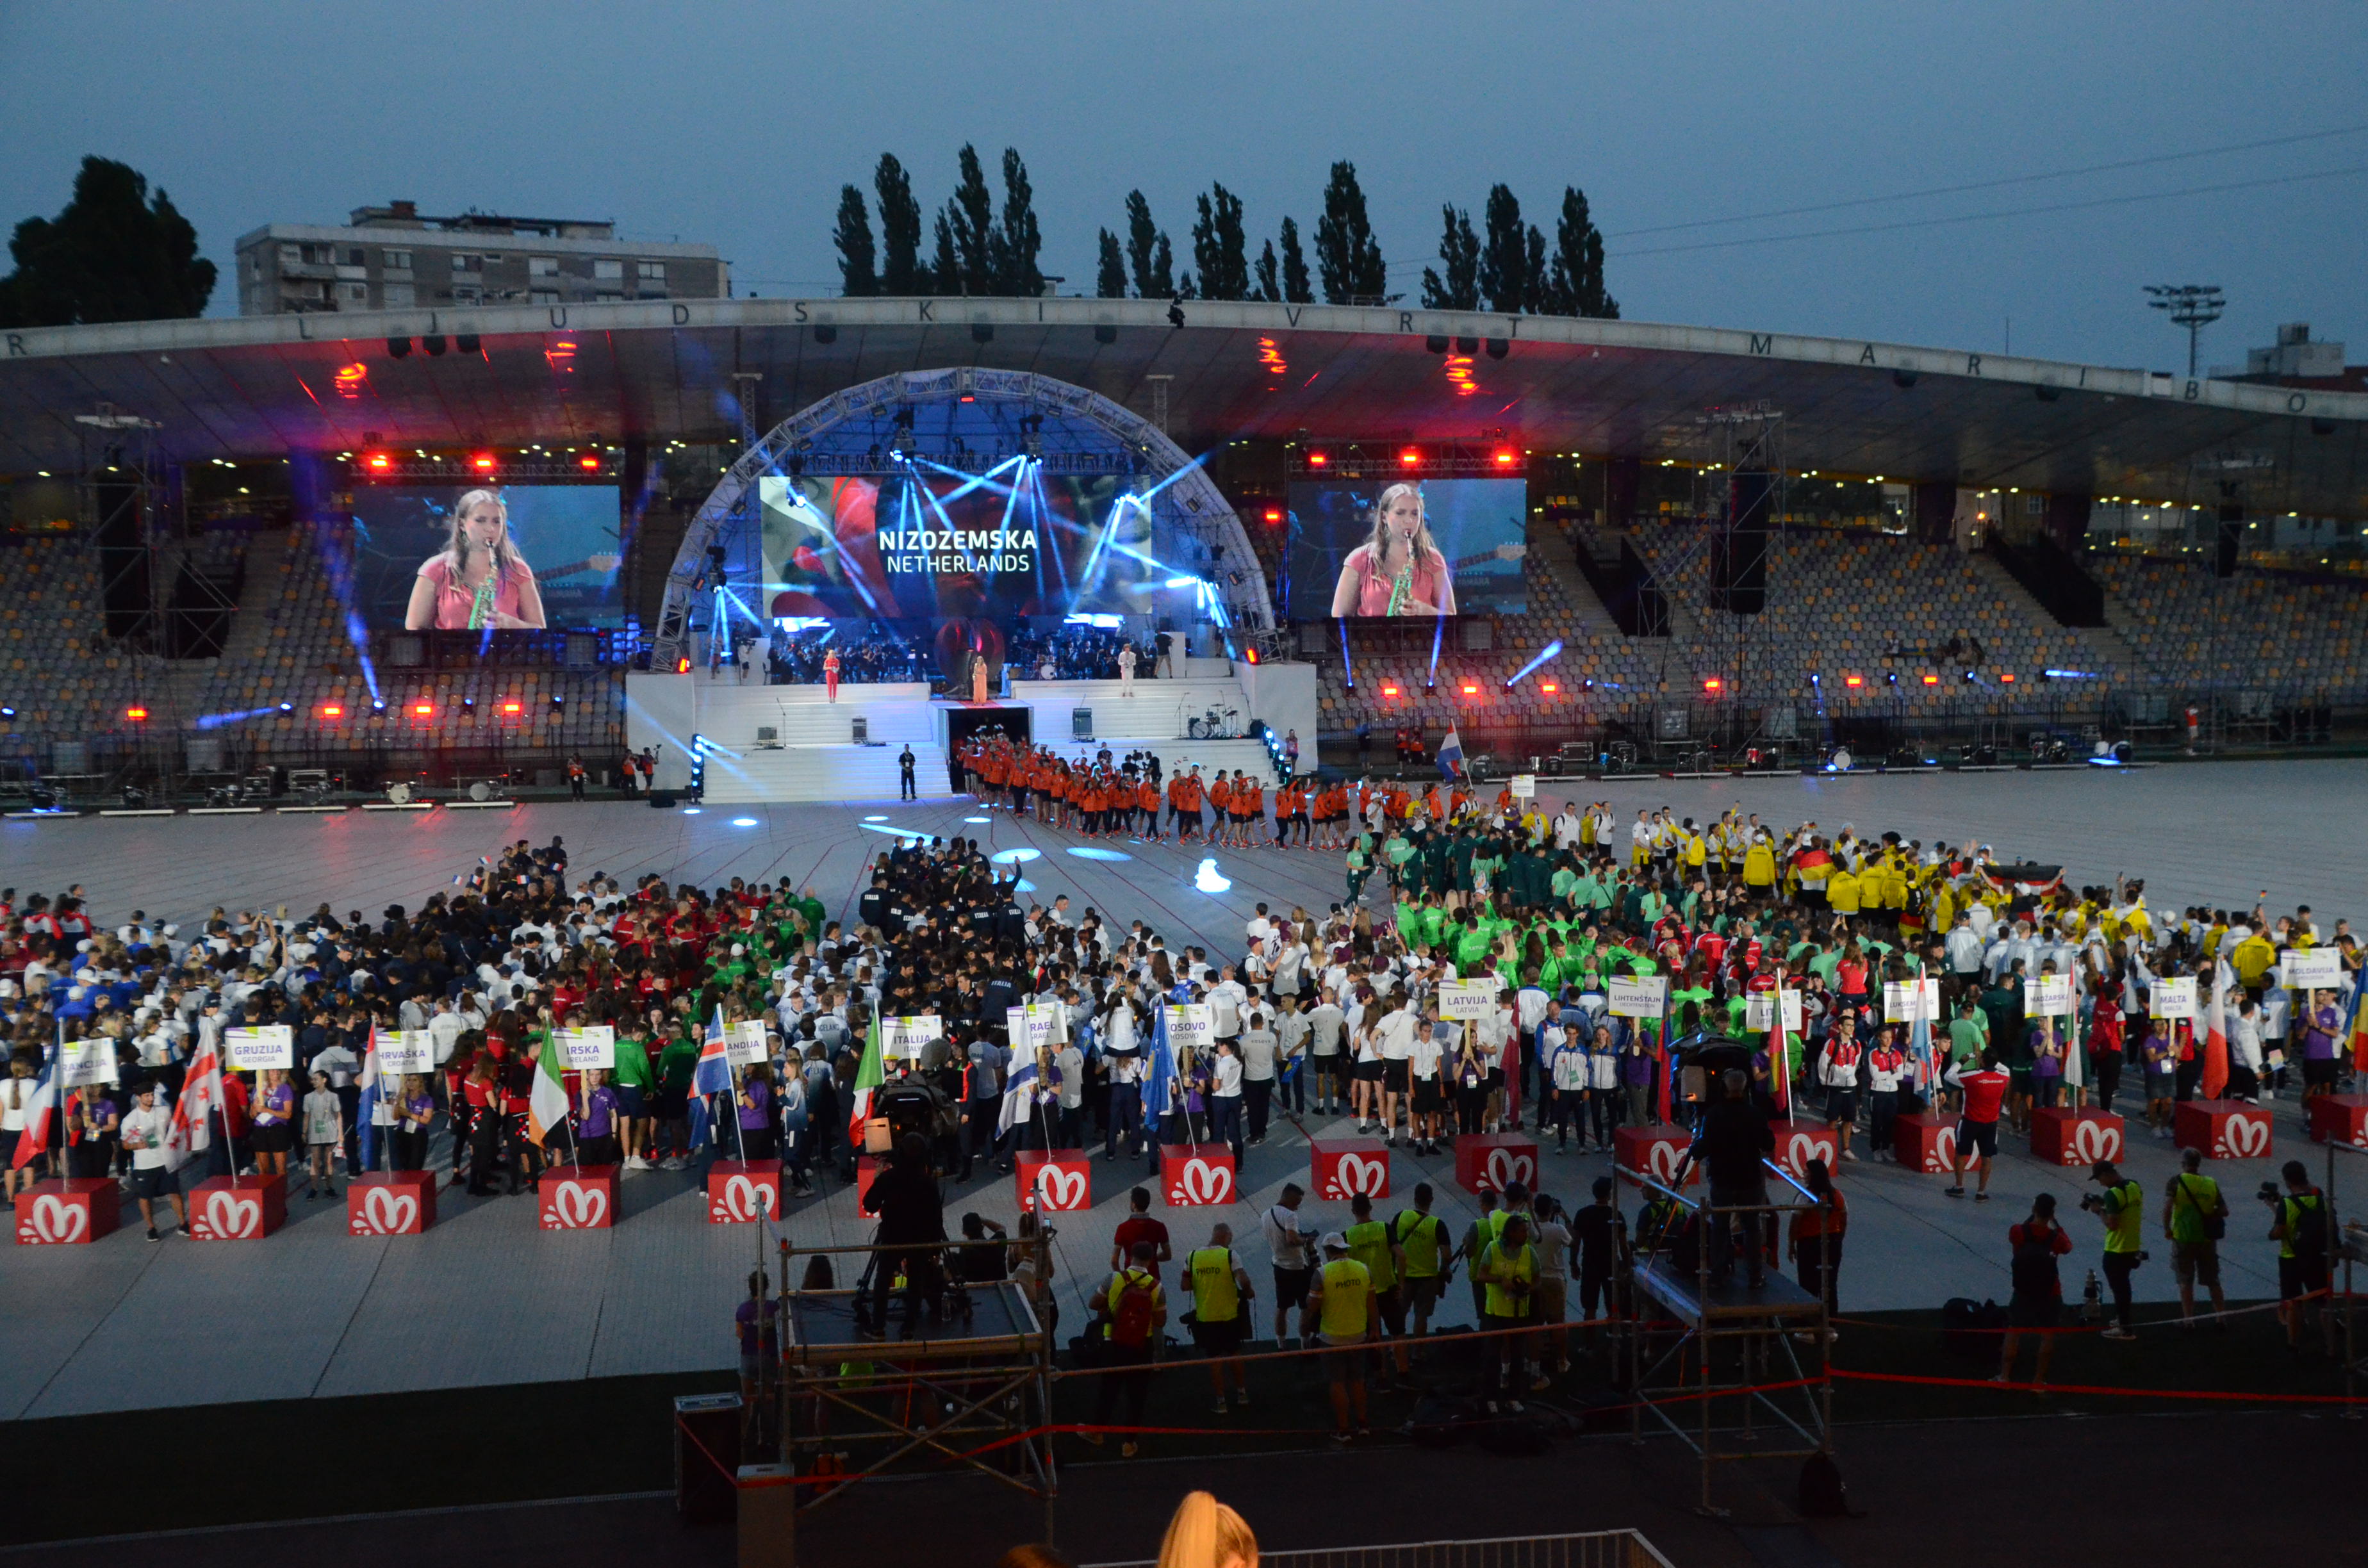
[(1548, 651)]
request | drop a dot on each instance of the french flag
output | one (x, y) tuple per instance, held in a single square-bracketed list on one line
[(42, 1116)]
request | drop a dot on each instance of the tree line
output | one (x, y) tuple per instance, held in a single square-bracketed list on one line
[(979, 250)]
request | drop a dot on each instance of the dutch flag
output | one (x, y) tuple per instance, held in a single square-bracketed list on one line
[(1450, 754)]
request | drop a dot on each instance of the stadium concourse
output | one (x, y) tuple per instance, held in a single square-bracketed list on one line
[(484, 1296)]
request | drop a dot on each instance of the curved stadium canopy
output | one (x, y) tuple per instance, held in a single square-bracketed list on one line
[(664, 369)]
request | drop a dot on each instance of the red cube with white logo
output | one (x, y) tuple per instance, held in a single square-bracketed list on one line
[(2062, 1136), (1490, 1161), (740, 1192), (390, 1203), (866, 1171), (2224, 1130), (1928, 1144), (2339, 1118), (1197, 1174), (1798, 1142), (1053, 1180), (1656, 1150), (240, 1209), (1340, 1168), (577, 1198), (66, 1213)]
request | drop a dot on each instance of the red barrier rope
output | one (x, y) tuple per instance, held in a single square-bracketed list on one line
[(2094, 1389)]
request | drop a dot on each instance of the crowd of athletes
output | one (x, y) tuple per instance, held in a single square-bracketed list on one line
[(1316, 1014)]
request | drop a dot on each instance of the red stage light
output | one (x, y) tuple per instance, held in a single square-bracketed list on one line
[(511, 706), (1274, 514), (1410, 458), (1318, 460), (483, 462), (331, 710), (137, 715), (1853, 682), (1714, 684), (2008, 678), (1388, 689), (379, 462), (422, 710), (589, 462), (1932, 680), (1251, 654), (1548, 687), (1471, 688), (682, 666), (1503, 458)]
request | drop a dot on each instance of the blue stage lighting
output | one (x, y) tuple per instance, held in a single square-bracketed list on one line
[(1093, 852), (8, 712), (1548, 651), (744, 822), (1013, 857)]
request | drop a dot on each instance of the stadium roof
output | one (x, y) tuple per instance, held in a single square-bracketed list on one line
[(665, 369)]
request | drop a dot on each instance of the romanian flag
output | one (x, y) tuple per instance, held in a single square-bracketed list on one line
[(2355, 1029)]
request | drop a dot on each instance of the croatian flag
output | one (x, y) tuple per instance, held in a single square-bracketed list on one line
[(1450, 754), (42, 1113), (374, 1092)]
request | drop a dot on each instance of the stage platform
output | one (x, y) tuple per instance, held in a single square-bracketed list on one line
[(822, 1328), (793, 744), (1683, 1293)]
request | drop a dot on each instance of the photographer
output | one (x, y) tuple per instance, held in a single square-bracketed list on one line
[(2302, 1226), (2122, 1206)]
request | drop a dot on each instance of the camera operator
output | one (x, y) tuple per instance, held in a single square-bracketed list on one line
[(2301, 1224), (2122, 1206), (912, 1231)]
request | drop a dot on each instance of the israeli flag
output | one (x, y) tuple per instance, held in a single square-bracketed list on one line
[(1018, 1096)]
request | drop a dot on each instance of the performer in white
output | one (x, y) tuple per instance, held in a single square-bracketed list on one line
[(1126, 670)]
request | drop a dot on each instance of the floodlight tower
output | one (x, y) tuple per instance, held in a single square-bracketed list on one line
[(2191, 305)]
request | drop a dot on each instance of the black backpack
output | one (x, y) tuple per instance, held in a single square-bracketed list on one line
[(2306, 1228), (1823, 1496), (2034, 1263), (1971, 1328)]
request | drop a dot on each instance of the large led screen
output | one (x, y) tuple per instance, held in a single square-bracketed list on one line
[(462, 558), (1389, 547)]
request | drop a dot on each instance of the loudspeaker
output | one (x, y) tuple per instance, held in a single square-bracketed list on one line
[(662, 799), (861, 729), (2230, 535), (1742, 584), (1081, 723)]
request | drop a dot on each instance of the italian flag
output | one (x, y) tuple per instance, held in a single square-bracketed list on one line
[(546, 1107), (868, 1076)]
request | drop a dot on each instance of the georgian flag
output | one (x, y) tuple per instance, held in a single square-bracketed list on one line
[(191, 1130)]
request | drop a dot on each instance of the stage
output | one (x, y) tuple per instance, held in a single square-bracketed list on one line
[(795, 744)]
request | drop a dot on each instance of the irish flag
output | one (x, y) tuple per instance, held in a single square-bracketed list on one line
[(546, 1107), (868, 1076)]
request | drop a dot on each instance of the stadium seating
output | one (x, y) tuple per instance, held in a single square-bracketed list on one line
[(2296, 639)]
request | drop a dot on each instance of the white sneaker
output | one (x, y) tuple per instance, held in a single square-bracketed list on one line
[(1849, 1153)]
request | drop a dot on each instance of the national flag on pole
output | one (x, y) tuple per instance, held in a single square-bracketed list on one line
[(714, 1073), (191, 1130), (546, 1103), (1159, 1074), (43, 1114), (2216, 1042), (1450, 754), (870, 1074), (1019, 1098), (1780, 1060), (1920, 1047), (373, 1094), (2355, 1029)]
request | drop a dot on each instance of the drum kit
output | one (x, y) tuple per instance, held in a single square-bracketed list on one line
[(1216, 724)]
